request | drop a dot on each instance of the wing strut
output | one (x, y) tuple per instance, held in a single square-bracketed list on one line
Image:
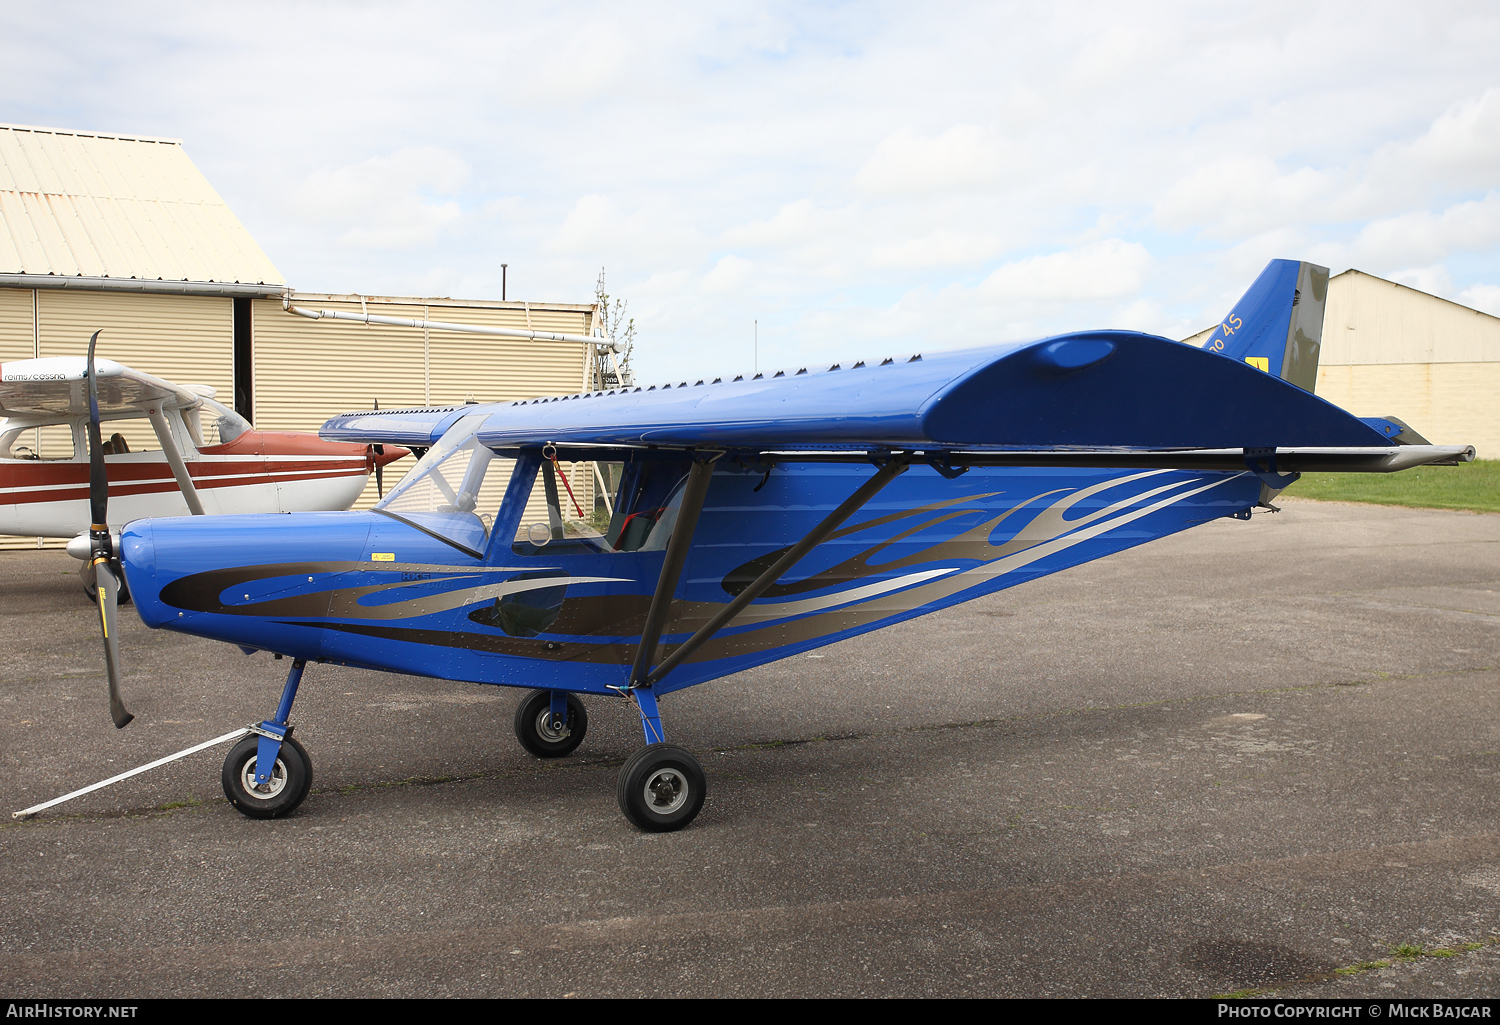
[(174, 459), (671, 567), (889, 472)]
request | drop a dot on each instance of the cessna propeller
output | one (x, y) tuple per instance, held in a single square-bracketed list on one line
[(104, 561), (379, 450)]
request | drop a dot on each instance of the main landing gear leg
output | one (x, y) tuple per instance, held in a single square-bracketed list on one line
[(661, 787), (268, 774)]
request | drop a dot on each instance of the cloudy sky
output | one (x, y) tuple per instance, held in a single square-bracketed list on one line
[(862, 179)]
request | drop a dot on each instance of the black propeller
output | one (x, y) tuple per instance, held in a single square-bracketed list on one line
[(102, 557), (379, 450)]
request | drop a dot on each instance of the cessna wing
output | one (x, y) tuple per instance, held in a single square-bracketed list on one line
[(241, 470), (53, 389)]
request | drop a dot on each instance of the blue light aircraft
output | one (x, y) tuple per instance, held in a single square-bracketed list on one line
[(751, 518)]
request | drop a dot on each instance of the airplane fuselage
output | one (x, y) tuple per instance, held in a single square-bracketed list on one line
[(370, 590), (257, 472)]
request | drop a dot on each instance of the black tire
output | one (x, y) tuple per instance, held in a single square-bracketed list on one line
[(661, 788), (534, 730), (279, 797)]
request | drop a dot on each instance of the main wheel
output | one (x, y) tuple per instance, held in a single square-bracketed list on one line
[(661, 788), (543, 737), (290, 780)]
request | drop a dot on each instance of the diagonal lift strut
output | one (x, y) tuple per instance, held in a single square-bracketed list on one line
[(887, 473), (671, 567)]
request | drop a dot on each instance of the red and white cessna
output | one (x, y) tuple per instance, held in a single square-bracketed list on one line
[(239, 470)]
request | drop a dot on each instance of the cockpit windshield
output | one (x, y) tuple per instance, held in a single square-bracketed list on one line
[(441, 493)]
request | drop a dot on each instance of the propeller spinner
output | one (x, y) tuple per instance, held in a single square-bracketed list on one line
[(102, 557)]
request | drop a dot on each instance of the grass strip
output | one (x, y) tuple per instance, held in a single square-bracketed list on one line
[(1471, 486)]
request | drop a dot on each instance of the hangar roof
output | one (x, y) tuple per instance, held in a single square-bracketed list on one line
[(116, 206)]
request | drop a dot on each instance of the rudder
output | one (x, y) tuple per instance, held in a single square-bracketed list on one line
[(1277, 325)]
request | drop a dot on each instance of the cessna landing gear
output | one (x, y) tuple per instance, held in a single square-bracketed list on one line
[(551, 724)]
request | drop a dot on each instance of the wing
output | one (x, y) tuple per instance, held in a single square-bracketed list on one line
[(54, 388), (1100, 398)]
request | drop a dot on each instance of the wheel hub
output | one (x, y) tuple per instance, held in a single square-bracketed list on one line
[(666, 791), (552, 730), (264, 791)]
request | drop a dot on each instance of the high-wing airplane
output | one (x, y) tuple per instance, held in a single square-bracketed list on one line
[(219, 466), (755, 517)]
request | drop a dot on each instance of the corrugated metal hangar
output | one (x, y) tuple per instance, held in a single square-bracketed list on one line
[(1390, 350), (125, 234)]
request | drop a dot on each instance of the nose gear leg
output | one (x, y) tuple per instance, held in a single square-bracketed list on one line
[(274, 731)]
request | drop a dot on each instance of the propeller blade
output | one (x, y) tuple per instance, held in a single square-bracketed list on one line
[(379, 450), (109, 593), (106, 583), (98, 475)]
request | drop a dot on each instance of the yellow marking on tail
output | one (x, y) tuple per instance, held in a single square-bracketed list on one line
[(1259, 362)]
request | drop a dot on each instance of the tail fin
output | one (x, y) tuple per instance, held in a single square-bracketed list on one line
[(1278, 323)]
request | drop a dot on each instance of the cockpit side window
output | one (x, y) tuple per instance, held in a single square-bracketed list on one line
[(646, 506), (644, 510), (223, 424)]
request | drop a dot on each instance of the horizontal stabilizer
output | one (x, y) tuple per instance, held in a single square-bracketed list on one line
[(415, 428)]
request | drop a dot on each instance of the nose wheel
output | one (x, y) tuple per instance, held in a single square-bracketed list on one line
[(544, 729), (291, 779)]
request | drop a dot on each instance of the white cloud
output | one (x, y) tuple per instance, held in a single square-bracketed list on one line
[(731, 274), (1463, 145), (386, 202), (836, 172), (963, 157), (1433, 280), (1231, 198), (1421, 235), (1482, 297), (1110, 269), (939, 249)]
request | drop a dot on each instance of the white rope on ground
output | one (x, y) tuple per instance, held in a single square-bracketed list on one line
[(28, 812)]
